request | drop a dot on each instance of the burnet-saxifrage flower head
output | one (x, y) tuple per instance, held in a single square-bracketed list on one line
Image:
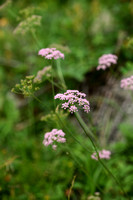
[(106, 60), (74, 99), (54, 137), (104, 154), (50, 53)]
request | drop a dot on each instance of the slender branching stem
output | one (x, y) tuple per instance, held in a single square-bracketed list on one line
[(84, 126), (61, 77), (95, 148), (52, 81), (35, 38)]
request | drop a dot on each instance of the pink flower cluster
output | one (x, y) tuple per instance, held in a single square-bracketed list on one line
[(73, 97), (127, 83), (104, 154), (106, 60), (54, 136), (50, 53)]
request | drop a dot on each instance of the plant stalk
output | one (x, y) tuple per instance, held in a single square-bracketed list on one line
[(79, 119), (60, 74)]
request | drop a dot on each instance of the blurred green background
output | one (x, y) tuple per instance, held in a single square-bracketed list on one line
[(83, 30)]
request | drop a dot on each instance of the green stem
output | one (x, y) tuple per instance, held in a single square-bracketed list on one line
[(84, 126), (52, 82), (36, 98), (35, 38), (93, 144), (70, 191), (60, 74)]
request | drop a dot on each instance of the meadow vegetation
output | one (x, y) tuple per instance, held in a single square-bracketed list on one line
[(66, 128)]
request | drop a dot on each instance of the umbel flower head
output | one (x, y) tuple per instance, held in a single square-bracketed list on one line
[(50, 53), (73, 98), (28, 24), (104, 154), (127, 83), (54, 137), (106, 60), (26, 87)]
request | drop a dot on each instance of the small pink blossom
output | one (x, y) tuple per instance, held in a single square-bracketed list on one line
[(54, 137), (73, 109), (50, 53), (104, 154), (127, 83), (73, 99), (106, 60), (65, 105)]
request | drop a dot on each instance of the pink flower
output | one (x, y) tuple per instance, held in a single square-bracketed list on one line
[(65, 105), (104, 154), (127, 83), (73, 99), (73, 109), (53, 137), (50, 53), (106, 60)]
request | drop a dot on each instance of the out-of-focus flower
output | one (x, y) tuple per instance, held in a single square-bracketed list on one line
[(104, 154), (28, 24), (54, 137), (50, 53), (3, 22), (127, 83), (73, 99), (26, 87), (46, 71), (106, 60)]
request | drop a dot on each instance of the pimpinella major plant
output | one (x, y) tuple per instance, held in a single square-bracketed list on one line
[(71, 102)]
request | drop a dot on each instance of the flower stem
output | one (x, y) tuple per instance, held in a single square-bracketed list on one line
[(35, 38), (70, 191), (52, 82), (60, 74), (57, 85), (83, 125)]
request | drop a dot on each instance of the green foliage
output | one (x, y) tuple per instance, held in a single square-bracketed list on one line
[(26, 87), (83, 30), (127, 69), (123, 168)]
